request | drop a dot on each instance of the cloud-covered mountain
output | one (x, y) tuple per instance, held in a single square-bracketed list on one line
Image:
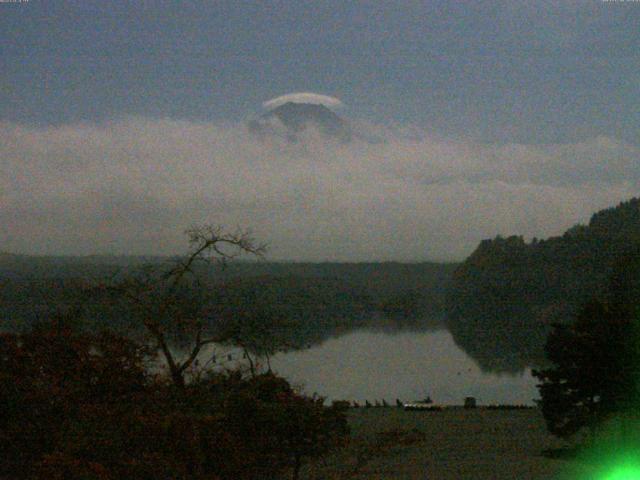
[(291, 118)]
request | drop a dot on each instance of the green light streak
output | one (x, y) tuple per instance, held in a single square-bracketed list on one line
[(614, 453), (627, 471)]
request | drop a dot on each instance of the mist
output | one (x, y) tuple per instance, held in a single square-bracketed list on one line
[(133, 185)]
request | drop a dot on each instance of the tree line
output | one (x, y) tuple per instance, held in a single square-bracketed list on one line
[(505, 296)]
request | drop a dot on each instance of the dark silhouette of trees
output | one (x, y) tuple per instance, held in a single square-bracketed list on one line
[(75, 406), (78, 402), (173, 303), (596, 359), (49, 379), (284, 297), (504, 297)]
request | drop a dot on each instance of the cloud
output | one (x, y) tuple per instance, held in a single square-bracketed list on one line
[(303, 97), (133, 186)]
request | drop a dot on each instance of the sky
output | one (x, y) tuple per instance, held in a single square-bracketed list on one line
[(123, 123)]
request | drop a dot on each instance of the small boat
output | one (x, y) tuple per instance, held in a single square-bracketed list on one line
[(425, 405)]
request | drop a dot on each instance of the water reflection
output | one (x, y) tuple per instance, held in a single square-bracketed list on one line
[(369, 365)]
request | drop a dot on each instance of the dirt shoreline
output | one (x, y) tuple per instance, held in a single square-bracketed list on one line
[(474, 444)]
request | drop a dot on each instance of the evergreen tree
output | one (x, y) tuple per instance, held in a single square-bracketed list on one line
[(596, 360)]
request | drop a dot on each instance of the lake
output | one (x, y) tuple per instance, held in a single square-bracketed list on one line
[(409, 365)]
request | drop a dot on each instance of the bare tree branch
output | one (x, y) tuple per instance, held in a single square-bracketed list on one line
[(156, 293)]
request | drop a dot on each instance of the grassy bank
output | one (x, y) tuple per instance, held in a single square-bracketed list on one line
[(389, 443)]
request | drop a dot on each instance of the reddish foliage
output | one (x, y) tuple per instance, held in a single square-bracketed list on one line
[(78, 406)]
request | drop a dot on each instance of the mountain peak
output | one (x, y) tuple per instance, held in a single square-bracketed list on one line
[(295, 117)]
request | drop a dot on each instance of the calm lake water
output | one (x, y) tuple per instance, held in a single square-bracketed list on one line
[(366, 365)]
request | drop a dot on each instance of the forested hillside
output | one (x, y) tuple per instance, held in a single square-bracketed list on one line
[(505, 296), (304, 302)]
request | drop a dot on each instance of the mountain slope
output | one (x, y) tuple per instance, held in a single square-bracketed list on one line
[(297, 117), (504, 297)]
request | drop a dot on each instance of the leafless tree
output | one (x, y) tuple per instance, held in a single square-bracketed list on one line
[(170, 301)]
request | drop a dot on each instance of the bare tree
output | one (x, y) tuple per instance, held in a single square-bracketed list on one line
[(171, 302)]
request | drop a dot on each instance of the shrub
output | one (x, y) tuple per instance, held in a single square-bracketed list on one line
[(82, 406)]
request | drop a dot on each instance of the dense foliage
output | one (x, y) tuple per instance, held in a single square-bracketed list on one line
[(596, 358), (84, 406), (505, 296)]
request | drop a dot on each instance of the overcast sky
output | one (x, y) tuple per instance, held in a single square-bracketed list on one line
[(122, 123)]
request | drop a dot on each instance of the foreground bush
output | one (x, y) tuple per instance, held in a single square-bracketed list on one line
[(595, 374), (77, 406)]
